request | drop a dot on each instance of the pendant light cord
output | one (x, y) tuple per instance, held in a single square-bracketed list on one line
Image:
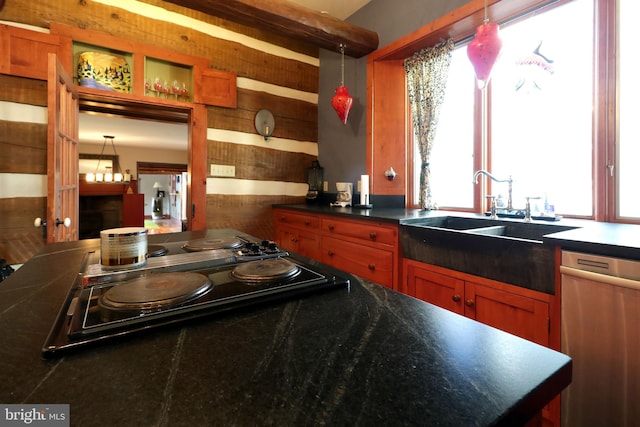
[(342, 46), (486, 15)]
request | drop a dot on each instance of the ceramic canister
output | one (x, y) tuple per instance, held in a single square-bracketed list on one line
[(123, 247)]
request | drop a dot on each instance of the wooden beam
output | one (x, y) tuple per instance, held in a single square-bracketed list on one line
[(291, 20)]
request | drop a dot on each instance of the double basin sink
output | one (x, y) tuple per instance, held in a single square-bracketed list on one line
[(506, 250), (525, 232)]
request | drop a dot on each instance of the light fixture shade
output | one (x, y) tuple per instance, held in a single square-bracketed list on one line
[(342, 102), (265, 123), (157, 185), (484, 50)]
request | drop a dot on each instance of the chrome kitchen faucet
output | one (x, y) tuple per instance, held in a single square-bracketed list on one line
[(510, 181)]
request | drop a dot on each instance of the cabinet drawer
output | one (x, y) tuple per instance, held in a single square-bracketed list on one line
[(297, 220), (363, 230), (369, 263)]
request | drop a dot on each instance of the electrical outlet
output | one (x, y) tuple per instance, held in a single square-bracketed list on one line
[(359, 187), (325, 186), (223, 170)]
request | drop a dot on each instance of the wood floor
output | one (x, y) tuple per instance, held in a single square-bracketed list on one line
[(165, 225)]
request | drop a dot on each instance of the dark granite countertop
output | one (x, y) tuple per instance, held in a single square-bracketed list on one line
[(365, 355), (602, 238)]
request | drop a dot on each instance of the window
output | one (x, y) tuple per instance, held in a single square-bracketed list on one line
[(628, 137), (544, 114), (452, 153), (541, 109)]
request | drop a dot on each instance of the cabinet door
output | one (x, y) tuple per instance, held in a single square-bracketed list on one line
[(24, 52), (309, 245), (525, 317), (435, 288), (214, 87), (287, 238)]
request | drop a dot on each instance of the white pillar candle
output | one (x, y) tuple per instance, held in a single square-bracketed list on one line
[(364, 189)]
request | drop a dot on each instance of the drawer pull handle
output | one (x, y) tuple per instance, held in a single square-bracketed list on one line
[(331, 227), (307, 222), (330, 253), (372, 235), (283, 218), (469, 303), (372, 267), (456, 298)]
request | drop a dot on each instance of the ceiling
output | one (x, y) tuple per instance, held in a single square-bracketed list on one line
[(340, 9), (151, 134), (132, 132)]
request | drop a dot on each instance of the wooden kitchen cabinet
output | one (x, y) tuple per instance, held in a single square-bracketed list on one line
[(297, 232), (366, 248), (519, 311), (368, 262), (510, 308), (24, 52)]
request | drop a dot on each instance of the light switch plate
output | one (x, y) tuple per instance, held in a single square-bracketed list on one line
[(325, 186), (223, 170)]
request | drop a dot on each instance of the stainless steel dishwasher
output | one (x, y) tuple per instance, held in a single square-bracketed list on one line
[(601, 333)]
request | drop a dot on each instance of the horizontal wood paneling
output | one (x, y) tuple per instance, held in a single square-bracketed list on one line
[(249, 214), (294, 119), (23, 90), (253, 162), (224, 55), (253, 31), (23, 147), (19, 239)]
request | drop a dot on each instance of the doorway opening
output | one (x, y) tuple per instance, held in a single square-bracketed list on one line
[(147, 134), (164, 186)]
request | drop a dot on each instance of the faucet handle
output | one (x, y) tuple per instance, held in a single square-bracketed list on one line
[(492, 206), (527, 209)]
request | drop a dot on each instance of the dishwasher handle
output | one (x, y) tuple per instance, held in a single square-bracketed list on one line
[(603, 278)]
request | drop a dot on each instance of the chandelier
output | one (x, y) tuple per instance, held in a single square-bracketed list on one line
[(109, 174)]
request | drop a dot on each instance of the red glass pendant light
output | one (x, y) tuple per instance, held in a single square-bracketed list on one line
[(484, 49), (342, 101)]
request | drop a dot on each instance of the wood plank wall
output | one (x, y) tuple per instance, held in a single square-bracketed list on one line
[(274, 72), (23, 153)]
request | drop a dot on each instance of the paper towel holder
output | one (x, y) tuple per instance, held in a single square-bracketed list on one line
[(365, 197)]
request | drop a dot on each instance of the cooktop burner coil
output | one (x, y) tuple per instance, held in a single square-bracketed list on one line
[(156, 250), (153, 292), (210, 243), (265, 271)]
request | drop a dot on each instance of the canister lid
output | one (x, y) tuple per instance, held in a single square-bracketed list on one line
[(124, 231)]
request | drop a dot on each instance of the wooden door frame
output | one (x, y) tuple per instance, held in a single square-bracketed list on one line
[(193, 115)]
